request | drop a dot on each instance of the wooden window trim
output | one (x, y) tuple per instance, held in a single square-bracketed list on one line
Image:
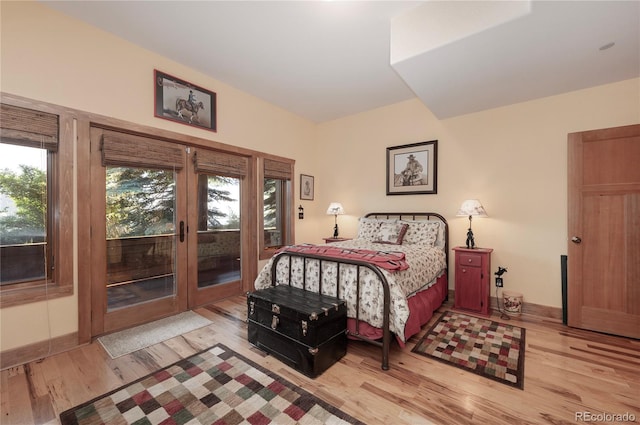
[(60, 230), (276, 168), (31, 294)]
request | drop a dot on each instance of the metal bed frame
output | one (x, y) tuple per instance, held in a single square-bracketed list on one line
[(386, 333)]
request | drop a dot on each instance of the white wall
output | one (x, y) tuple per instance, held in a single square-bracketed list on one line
[(514, 159)]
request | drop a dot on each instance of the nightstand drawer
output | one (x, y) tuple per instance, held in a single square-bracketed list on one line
[(472, 260)]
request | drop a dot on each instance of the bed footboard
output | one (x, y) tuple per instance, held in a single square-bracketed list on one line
[(360, 265)]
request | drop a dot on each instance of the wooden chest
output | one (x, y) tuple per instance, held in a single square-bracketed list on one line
[(305, 330)]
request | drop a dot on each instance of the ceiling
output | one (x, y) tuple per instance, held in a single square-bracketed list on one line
[(324, 60)]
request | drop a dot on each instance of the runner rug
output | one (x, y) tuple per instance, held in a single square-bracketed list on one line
[(129, 340), (487, 348), (216, 386)]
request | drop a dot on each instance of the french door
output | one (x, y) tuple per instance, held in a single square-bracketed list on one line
[(166, 229)]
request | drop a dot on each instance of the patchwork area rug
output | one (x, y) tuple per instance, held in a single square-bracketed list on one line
[(129, 340), (490, 349), (216, 386)]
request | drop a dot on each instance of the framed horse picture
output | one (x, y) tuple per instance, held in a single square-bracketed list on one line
[(180, 101), (413, 169)]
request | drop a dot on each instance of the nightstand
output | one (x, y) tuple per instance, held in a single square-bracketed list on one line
[(473, 280), (331, 240)]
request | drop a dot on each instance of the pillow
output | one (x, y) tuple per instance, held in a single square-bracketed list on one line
[(440, 241), (421, 232), (368, 227), (391, 233)]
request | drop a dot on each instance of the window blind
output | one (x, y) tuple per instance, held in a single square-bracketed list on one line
[(277, 169), (26, 127), (221, 163), (128, 150)]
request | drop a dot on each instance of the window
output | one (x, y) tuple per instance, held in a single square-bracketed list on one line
[(24, 223), (219, 230), (277, 227), (30, 237), (221, 177)]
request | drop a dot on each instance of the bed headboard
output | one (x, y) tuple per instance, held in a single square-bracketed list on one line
[(417, 216)]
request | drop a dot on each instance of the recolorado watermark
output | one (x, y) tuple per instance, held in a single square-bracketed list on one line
[(604, 417)]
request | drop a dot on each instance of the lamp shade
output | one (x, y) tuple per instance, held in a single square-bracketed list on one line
[(471, 207), (335, 208)]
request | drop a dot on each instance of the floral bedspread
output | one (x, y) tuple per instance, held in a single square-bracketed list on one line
[(426, 264)]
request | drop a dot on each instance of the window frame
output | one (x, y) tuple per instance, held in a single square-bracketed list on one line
[(49, 227), (285, 199), (60, 246)]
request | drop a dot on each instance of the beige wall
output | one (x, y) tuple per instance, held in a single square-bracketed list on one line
[(513, 159), (49, 57)]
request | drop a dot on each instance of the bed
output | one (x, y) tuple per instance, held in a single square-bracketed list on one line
[(393, 274)]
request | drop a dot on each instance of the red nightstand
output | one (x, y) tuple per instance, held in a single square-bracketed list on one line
[(472, 286)]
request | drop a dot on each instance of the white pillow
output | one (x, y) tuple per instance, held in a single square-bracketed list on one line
[(421, 232), (391, 233), (368, 228)]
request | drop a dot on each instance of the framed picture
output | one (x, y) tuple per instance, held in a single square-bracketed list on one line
[(183, 102), (306, 187), (413, 169)]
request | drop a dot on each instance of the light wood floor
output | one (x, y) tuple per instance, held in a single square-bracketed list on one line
[(566, 371)]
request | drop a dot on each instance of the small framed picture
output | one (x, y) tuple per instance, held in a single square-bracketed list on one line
[(180, 101), (306, 187), (413, 169)]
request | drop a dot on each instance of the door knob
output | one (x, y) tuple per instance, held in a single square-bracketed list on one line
[(576, 239)]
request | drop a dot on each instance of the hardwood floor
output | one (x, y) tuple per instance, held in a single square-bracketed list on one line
[(567, 371)]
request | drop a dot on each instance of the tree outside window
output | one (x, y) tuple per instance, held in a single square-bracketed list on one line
[(23, 215)]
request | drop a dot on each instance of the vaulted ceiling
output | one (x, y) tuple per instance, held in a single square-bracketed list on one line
[(327, 59)]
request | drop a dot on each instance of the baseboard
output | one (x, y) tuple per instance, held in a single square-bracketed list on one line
[(38, 350), (538, 310), (543, 311)]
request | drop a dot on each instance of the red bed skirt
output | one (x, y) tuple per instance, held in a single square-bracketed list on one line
[(421, 308)]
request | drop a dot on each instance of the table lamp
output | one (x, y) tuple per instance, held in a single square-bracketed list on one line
[(335, 209), (471, 208)]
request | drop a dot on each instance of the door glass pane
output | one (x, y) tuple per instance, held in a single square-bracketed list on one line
[(23, 214), (140, 218), (218, 230)]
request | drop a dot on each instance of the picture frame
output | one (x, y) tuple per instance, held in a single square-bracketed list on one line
[(183, 102), (306, 187), (413, 169)]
